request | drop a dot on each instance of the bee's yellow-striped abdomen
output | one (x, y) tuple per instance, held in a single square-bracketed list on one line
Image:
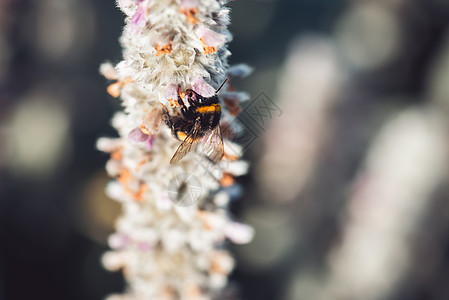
[(181, 135), (209, 108)]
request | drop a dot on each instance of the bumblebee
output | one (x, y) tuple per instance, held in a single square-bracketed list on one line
[(200, 121)]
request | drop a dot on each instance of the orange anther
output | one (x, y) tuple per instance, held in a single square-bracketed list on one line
[(227, 180), (114, 89), (208, 49), (117, 154), (163, 50), (190, 14)]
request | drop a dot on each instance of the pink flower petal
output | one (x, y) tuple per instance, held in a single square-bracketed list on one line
[(239, 233), (145, 247), (118, 241), (137, 136), (189, 3), (149, 142), (212, 38), (139, 18), (172, 91), (203, 88)]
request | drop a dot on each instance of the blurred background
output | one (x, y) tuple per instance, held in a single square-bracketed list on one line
[(348, 187)]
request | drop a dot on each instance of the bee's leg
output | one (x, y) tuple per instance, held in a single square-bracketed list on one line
[(198, 98), (180, 101), (184, 109), (166, 116), (192, 102)]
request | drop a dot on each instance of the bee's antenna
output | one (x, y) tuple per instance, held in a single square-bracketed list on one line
[(216, 92)]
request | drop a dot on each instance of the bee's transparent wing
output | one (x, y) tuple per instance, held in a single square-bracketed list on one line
[(187, 145), (213, 144)]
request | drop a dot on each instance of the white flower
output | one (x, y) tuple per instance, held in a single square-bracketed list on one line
[(168, 251)]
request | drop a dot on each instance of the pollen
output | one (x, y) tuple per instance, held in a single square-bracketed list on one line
[(138, 196), (144, 129), (124, 177), (115, 88), (117, 154), (193, 292), (190, 14), (141, 164), (220, 263), (173, 102), (163, 50), (227, 180), (230, 157), (204, 219), (208, 49), (215, 267)]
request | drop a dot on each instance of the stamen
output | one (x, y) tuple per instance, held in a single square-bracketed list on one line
[(208, 49), (190, 14), (164, 49), (114, 89)]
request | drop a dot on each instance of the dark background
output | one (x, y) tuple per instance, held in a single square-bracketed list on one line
[(55, 218)]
